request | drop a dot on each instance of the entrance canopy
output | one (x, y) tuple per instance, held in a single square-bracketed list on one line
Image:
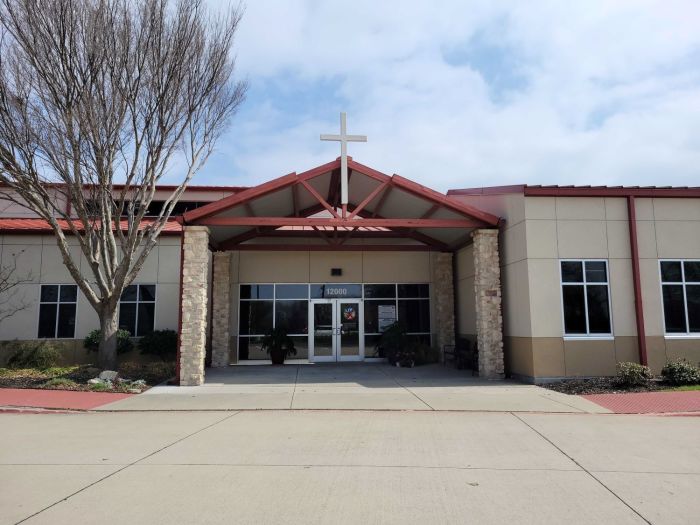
[(303, 212)]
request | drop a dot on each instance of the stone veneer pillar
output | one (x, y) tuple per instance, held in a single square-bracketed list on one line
[(221, 292), (193, 326), (444, 299), (487, 294)]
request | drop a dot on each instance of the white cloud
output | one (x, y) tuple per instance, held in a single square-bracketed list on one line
[(579, 93)]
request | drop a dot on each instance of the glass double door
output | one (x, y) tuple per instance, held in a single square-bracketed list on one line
[(336, 330)]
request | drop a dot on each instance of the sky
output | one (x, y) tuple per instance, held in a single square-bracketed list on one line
[(458, 94)]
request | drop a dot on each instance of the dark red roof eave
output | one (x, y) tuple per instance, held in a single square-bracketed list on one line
[(584, 191)]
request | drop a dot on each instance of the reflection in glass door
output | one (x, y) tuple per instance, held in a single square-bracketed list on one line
[(322, 343), (348, 331)]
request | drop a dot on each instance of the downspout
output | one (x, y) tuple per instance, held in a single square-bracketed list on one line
[(638, 306)]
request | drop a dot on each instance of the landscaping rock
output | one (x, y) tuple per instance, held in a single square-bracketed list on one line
[(134, 390), (109, 375), (95, 381)]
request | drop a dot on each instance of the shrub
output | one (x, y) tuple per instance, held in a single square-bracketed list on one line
[(61, 383), (633, 374), (40, 355), (152, 373), (680, 372), (393, 343), (124, 344), (162, 343)]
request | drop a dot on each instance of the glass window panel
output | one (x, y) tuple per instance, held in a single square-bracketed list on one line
[(255, 317), (147, 292), (692, 271), (129, 293), (415, 315), (371, 349), (372, 323), (293, 316), (414, 290), (49, 293), (127, 317), (335, 291), (674, 309), (69, 293), (47, 320), (598, 310), (257, 291), (671, 272), (574, 309), (572, 271), (292, 291), (66, 320), (595, 272), (692, 292), (250, 348), (301, 345), (380, 291), (146, 318)]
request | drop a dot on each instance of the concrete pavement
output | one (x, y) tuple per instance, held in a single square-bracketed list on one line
[(297, 466), (353, 387)]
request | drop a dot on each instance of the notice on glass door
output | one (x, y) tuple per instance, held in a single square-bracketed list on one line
[(387, 316)]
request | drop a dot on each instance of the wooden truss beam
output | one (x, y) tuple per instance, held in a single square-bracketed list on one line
[(335, 222)]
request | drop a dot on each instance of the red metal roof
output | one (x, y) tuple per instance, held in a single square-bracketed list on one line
[(583, 191), (27, 225)]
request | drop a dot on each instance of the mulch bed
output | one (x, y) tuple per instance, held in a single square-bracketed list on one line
[(152, 373), (602, 385)]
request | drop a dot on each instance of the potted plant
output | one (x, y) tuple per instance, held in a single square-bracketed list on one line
[(279, 345)]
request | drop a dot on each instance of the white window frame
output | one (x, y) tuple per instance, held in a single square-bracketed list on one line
[(587, 336), (677, 335), (137, 302), (58, 303)]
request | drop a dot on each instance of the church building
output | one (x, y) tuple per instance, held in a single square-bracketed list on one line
[(548, 282)]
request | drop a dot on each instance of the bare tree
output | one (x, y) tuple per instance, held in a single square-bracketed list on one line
[(98, 98), (12, 300)]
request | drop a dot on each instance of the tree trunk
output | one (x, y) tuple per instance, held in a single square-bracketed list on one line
[(107, 352)]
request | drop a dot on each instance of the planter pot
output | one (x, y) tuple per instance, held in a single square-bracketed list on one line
[(277, 356)]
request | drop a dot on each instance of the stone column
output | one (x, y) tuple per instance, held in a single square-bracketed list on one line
[(193, 329), (221, 297), (487, 294), (444, 299)]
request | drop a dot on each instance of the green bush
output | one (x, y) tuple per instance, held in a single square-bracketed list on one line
[(34, 354), (61, 383), (633, 374), (393, 343), (162, 343), (680, 372), (124, 344)]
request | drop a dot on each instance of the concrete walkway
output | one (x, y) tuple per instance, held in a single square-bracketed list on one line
[(348, 467), (353, 387)]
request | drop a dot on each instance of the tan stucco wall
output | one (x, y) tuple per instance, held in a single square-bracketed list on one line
[(38, 257), (540, 231)]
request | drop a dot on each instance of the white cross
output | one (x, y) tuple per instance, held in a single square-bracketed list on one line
[(344, 138)]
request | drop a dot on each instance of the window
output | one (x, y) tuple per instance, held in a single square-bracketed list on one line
[(266, 306), (57, 311), (585, 298), (387, 303), (680, 290), (137, 309)]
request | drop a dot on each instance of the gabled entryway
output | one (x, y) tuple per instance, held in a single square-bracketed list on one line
[(303, 214)]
